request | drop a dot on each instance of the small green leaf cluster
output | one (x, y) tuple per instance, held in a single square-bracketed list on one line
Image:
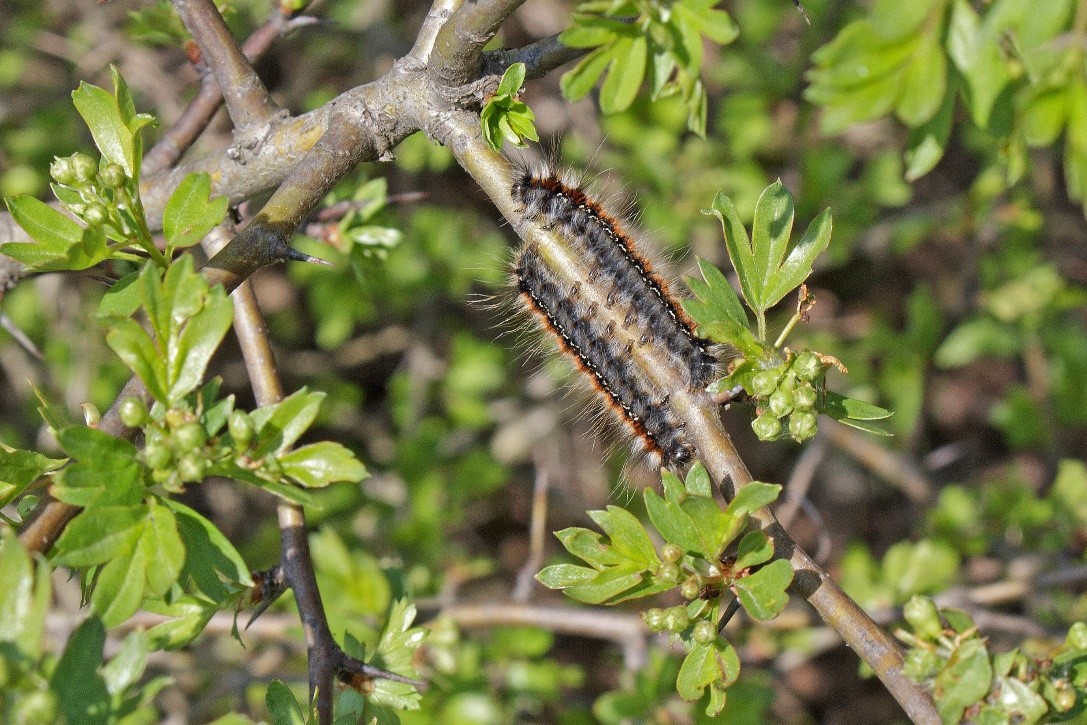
[(784, 385), (971, 683), (706, 555), (105, 196), (505, 117), (907, 568), (79, 685), (358, 232), (632, 40), (1006, 64)]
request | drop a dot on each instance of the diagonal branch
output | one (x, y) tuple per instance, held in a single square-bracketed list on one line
[(168, 150), (246, 98)]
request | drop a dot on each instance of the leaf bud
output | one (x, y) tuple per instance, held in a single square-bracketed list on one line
[(241, 428), (921, 614)]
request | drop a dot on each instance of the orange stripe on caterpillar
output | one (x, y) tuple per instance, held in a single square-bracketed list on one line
[(588, 336)]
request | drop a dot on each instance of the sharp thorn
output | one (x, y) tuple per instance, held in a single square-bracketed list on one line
[(294, 255)]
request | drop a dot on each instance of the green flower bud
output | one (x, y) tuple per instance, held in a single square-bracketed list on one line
[(803, 425), (112, 176), (804, 396), (923, 617), (241, 427), (690, 588), (84, 168), (133, 412), (765, 382), (62, 171), (704, 632), (767, 426), (190, 436), (671, 553), (95, 215), (654, 619), (157, 456), (676, 619), (781, 403), (921, 664), (191, 467), (807, 366), (668, 573)]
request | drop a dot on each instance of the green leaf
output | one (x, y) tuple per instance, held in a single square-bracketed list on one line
[(79, 687), (188, 617), (19, 469), (608, 584), (396, 652), (55, 232), (319, 464), (797, 266), (625, 74), (119, 587), (210, 558), (715, 664), (199, 339), (718, 294), (737, 243), (112, 135), (628, 537), (674, 524), (852, 412), (162, 548), (770, 231), (279, 425), (190, 212), (754, 549), (560, 576), (718, 26), (577, 83), (926, 143), (753, 497), (698, 481), (127, 666), (24, 597), (121, 299), (965, 679), (762, 594), (138, 351), (283, 708), (512, 80), (924, 83), (100, 534), (106, 451), (975, 51)]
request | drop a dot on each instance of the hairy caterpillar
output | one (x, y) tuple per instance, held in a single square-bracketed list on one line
[(632, 306)]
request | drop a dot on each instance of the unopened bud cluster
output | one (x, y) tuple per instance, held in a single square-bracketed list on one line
[(95, 194), (178, 450), (786, 397), (678, 619)]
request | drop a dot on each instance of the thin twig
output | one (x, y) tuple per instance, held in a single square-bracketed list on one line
[(526, 577), (540, 57), (892, 467)]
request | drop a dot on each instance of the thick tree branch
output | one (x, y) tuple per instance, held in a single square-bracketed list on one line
[(540, 57), (459, 44)]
